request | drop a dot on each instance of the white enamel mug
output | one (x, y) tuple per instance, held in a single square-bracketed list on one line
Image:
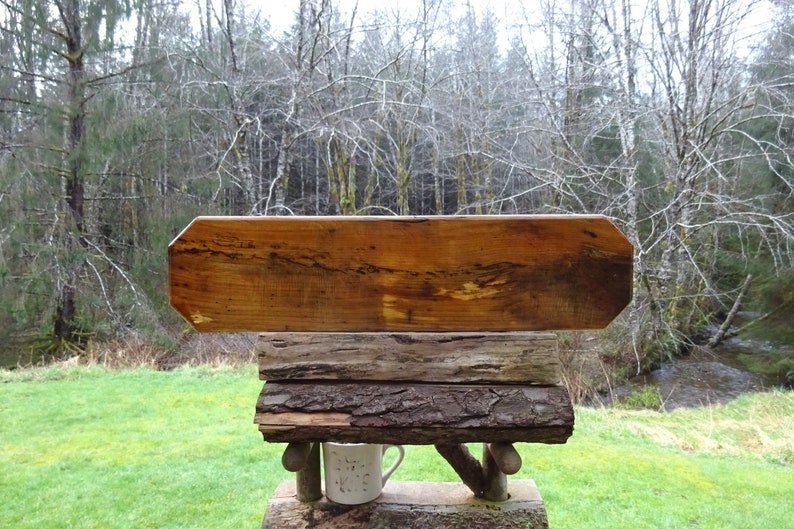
[(354, 471)]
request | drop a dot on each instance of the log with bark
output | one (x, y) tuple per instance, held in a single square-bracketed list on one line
[(399, 413)]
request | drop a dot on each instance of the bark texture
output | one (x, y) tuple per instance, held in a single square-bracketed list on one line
[(394, 413)]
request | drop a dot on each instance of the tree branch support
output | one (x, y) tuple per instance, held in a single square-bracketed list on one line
[(489, 479)]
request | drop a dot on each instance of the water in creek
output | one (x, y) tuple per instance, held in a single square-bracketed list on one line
[(704, 377)]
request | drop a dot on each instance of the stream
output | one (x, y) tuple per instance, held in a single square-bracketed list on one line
[(704, 377)]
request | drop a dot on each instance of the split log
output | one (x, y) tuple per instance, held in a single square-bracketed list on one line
[(397, 413), (506, 358), (411, 505)]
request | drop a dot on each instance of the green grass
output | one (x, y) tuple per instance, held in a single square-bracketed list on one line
[(87, 447)]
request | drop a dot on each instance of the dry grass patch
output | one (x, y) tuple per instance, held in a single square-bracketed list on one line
[(757, 427), (192, 349)]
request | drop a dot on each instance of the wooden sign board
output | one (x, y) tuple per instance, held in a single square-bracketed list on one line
[(394, 274)]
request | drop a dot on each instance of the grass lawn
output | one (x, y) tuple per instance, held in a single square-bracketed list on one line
[(87, 447)]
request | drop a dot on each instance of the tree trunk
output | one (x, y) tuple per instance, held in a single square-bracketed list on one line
[(720, 334), (64, 330)]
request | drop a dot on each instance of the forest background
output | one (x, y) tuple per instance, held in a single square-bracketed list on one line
[(121, 120)]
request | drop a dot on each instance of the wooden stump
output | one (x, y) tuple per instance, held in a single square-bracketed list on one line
[(411, 505)]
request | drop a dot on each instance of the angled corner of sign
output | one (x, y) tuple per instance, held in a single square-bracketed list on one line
[(611, 221), (624, 294), (183, 232)]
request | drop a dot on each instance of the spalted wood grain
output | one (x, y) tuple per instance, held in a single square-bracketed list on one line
[(525, 358), (399, 413), (394, 274)]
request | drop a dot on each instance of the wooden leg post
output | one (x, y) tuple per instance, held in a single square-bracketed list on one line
[(304, 460), (498, 460), (489, 479), (494, 480), (308, 478), (507, 458)]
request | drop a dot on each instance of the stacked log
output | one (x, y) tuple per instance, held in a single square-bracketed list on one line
[(412, 388)]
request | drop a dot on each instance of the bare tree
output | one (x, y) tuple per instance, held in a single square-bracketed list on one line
[(305, 52), (699, 99)]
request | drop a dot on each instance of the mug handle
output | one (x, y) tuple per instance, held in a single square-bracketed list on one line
[(393, 467)]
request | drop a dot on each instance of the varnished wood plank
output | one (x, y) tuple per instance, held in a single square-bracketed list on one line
[(488, 273), (413, 414), (507, 358)]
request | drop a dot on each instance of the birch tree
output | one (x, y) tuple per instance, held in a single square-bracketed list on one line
[(699, 99)]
